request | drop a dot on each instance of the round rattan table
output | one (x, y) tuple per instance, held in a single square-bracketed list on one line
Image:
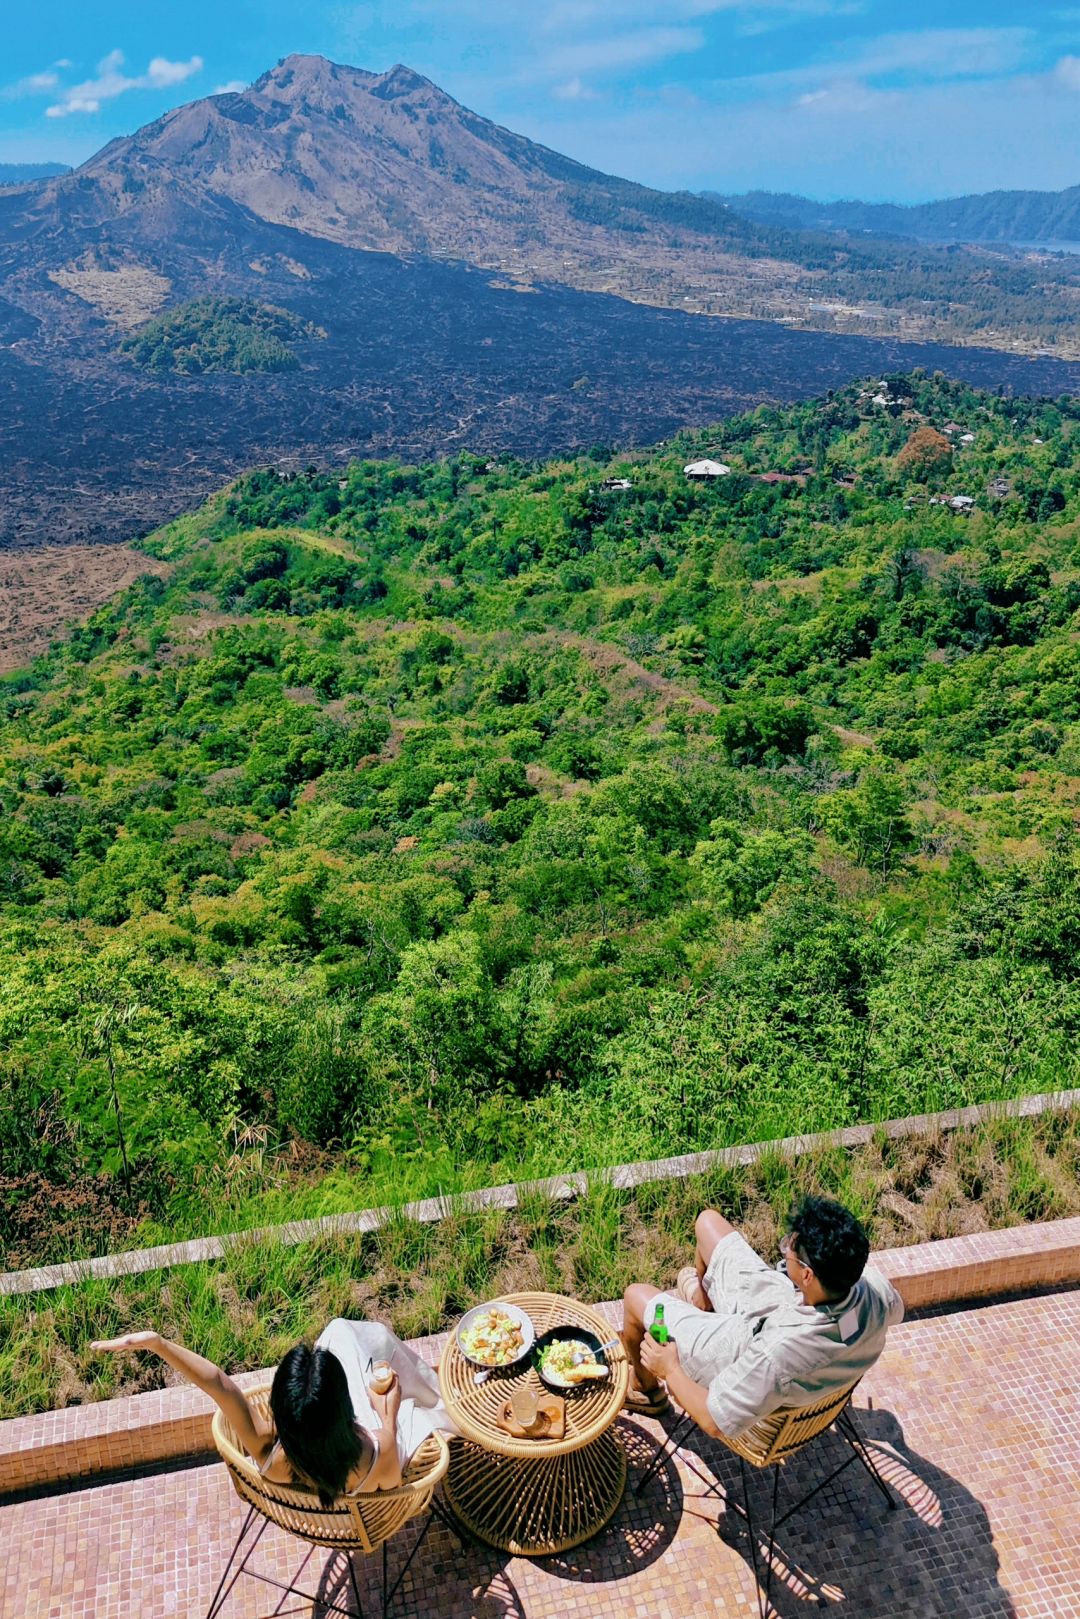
[(533, 1497)]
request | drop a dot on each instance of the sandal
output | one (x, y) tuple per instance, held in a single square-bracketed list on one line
[(688, 1286), (647, 1402)]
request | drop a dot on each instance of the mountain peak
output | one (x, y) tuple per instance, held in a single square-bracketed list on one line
[(402, 79), (299, 72)]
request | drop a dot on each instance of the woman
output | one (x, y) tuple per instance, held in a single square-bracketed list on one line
[(330, 1431)]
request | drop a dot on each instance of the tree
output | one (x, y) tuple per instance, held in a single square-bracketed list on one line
[(739, 870), (926, 453), (869, 820)]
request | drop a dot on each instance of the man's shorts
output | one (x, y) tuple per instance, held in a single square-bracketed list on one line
[(742, 1289), (739, 1282)]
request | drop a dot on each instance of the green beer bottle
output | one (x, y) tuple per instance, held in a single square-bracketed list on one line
[(658, 1331)]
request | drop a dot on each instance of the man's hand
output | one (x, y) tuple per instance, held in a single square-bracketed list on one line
[(130, 1340), (661, 1360)]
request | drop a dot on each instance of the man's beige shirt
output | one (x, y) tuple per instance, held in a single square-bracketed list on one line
[(765, 1347)]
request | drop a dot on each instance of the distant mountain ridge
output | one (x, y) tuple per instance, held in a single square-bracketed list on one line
[(388, 162), (994, 216), (14, 174), (473, 287)]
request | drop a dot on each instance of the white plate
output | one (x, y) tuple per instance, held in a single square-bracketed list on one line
[(528, 1331)]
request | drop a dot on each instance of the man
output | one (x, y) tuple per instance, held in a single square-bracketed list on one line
[(746, 1339)]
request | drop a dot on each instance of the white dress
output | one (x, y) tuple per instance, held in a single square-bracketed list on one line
[(358, 1345)]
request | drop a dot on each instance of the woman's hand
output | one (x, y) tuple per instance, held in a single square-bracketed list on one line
[(130, 1340), (388, 1405)]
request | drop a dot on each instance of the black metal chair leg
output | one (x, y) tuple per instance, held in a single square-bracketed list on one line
[(752, 1532), (388, 1596), (226, 1585), (355, 1587), (772, 1538), (846, 1424), (663, 1451), (221, 1595)]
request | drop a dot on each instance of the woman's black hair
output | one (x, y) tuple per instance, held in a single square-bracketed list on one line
[(831, 1241), (313, 1415)]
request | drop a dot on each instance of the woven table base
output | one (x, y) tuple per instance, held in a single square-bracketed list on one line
[(534, 1508)]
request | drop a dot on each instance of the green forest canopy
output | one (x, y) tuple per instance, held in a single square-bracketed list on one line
[(468, 816), (219, 334)]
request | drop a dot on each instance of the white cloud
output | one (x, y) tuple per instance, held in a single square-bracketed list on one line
[(233, 87), (112, 81), (847, 96), (35, 84), (925, 55), (622, 50), (163, 74), (1067, 72), (574, 90), (576, 15), (943, 53), (932, 139)]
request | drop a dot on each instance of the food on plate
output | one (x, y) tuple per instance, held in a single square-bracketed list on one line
[(570, 1361), (587, 1372), (493, 1338)]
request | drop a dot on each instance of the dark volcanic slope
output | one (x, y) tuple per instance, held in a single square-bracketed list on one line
[(281, 194), (420, 358)]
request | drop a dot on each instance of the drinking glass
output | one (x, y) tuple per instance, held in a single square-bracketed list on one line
[(524, 1405)]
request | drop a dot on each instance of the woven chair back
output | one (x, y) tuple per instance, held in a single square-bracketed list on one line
[(787, 1430), (353, 1522)]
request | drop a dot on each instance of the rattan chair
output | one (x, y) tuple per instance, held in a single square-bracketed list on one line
[(353, 1523), (770, 1443)]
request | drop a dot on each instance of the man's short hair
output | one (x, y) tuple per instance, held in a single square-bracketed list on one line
[(831, 1241)]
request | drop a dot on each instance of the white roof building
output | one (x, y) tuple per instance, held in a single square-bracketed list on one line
[(706, 469)]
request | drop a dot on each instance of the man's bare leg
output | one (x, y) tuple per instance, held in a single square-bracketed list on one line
[(709, 1228), (635, 1302)]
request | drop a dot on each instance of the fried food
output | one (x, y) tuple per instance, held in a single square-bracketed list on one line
[(588, 1372)]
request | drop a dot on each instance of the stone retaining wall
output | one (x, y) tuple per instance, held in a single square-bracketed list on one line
[(626, 1176)]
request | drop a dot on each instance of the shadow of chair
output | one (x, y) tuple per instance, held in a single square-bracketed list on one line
[(932, 1558), (354, 1523), (770, 1443)]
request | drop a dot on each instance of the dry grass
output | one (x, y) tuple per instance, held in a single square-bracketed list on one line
[(127, 296), (43, 589)]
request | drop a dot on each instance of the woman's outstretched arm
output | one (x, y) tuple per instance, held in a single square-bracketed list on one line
[(227, 1395)]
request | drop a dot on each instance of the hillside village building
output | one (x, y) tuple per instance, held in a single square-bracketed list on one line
[(706, 469)]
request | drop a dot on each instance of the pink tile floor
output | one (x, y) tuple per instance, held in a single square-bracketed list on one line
[(975, 1420)]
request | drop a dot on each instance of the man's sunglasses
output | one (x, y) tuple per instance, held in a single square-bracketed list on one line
[(789, 1246)]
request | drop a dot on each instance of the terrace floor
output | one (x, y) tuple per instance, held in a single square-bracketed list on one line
[(974, 1417)]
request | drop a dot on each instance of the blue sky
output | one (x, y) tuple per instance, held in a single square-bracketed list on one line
[(829, 97)]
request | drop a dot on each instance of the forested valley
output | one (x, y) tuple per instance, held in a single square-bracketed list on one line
[(431, 826)]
